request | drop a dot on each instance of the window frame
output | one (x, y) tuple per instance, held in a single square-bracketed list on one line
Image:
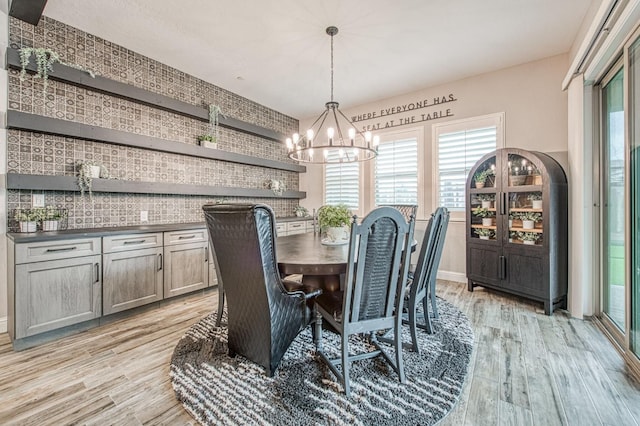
[(495, 119)]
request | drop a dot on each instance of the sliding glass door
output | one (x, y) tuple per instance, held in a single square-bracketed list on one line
[(613, 199), (634, 158)]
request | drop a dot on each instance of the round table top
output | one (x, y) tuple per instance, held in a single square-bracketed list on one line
[(305, 254)]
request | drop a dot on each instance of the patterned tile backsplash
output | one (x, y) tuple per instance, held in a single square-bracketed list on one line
[(36, 153)]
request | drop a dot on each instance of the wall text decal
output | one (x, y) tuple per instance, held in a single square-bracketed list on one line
[(413, 118)]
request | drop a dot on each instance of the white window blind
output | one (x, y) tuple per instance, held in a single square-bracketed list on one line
[(396, 172), (342, 184), (457, 152)]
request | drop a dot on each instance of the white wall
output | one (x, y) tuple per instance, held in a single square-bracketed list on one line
[(535, 110)]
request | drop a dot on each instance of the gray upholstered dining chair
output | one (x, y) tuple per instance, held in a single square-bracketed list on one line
[(373, 291), (421, 284), (407, 210), (263, 317)]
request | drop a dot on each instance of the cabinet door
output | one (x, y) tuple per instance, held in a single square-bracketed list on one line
[(527, 271), (132, 278), (186, 268), (55, 294), (483, 263)]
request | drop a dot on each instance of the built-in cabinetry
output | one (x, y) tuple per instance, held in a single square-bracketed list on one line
[(58, 284), (186, 255), (133, 271), (293, 227), (516, 217)]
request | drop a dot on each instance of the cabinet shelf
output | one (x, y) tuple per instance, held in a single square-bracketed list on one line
[(70, 183), (538, 230), (483, 227), (525, 209)]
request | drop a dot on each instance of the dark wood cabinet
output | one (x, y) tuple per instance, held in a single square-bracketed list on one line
[(516, 226)]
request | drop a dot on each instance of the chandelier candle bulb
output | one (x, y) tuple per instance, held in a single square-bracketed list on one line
[(352, 136)]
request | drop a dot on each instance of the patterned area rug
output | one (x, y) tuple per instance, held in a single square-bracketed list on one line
[(216, 389)]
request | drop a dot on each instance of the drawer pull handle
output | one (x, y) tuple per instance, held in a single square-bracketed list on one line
[(134, 242), (206, 254), (52, 250), (186, 237), (160, 262), (97, 269)]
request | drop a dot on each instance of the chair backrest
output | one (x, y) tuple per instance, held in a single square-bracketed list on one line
[(379, 253), (407, 210), (430, 251), (243, 241)]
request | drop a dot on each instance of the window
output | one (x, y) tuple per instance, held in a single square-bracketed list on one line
[(342, 184), (458, 146), (396, 172)]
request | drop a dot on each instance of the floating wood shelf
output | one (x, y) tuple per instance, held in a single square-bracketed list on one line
[(70, 183), (126, 91), (39, 123)]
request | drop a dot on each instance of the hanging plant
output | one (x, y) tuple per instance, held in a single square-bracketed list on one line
[(87, 171), (45, 58), (278, 187), (214, 119)]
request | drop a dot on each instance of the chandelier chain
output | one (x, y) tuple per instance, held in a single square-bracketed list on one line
[(331, 67)]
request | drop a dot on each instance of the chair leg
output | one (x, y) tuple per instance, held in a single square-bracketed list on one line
[(432, 297), (427, 316), (318, 331), (412, 327), (220, 305), (398, 345), (345, 365)]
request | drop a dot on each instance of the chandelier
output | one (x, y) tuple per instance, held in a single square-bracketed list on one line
[(325, 141)]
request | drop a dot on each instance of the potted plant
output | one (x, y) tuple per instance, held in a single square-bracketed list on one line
[(529, 219), (536, 200), (334, 222), (486, 200), (88, 170), (208, 141), (513, 235), (481, 177), (529, 238), (513, 216), (44, 58), (27, 219), (485, 214), (483, 233), (278, 187), (300, 211), (51, 217)]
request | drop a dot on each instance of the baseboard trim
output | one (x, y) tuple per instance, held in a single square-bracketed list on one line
[(3, 325), (452, 276)]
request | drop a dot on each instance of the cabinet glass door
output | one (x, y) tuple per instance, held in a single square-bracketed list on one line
[(524, 201), (484, 225), (634, 74)]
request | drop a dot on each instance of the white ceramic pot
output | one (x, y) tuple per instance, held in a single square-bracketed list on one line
[(528, 224), (300, 214), (487, 221), (529, 243), (510, 223), (50, 225), (333, 235), (536, 204), (486, 204), (28, 226), (484, 237), (209, 144), (94, 172)]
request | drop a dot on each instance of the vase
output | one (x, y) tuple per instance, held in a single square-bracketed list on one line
[(335, 235), (28, 226), (487, 221), (528, 224), (536, 204), (50, 225), (486, 204)]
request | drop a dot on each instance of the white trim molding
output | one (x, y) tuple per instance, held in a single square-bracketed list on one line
[(457, 277), (3, 325)]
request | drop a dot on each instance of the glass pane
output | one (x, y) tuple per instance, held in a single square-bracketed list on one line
[(613, 201), (524, 201), (634, 74), (483, 202)]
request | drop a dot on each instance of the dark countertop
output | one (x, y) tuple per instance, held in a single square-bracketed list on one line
[(68, 234)]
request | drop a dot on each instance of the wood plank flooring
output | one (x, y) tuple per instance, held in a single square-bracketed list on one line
[(527, 369)]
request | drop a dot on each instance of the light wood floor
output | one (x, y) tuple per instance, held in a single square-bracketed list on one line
[(527, 368)]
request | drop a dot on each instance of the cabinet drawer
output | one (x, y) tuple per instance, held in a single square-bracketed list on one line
[(309, 226), (298, 227), (54, 250), (127, 242), (281, 229), (184, 237)]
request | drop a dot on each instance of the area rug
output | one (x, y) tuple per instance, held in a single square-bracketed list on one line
[(216, 389)]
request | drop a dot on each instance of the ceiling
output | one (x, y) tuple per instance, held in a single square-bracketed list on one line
[(276, 52)]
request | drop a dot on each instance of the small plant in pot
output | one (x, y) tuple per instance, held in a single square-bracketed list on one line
[(278, 187), (300, 211), (529, 238), (483, 233), (536, 200), (486, 200), (513, 216), (208, 141), (485, 214), (529, 219), (334, 224), (89, 170), (51, 218), (481, 177), (27, 219)]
